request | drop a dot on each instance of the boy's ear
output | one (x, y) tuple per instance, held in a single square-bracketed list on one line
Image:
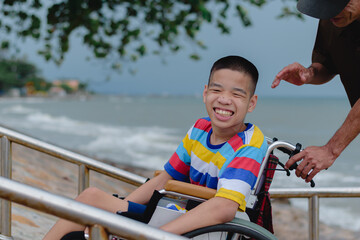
[(252, 103), (204, 92)]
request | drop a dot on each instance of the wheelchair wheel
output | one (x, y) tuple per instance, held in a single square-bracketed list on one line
[(230, 231)]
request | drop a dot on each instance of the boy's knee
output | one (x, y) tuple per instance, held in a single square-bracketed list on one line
[(91, 194)]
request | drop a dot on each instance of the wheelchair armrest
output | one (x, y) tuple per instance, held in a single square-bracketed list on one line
[(189, 189)]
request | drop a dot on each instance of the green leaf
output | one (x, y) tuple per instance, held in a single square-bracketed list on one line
[(205, 13), (257, 3), (195, 57), (141, 50), (242, 12), (224, 29), (5, 44)]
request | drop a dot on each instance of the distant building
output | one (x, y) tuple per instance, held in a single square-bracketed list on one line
[(71, 85), (57, 92)]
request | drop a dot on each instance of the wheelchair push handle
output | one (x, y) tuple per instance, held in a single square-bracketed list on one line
[(292, 153)]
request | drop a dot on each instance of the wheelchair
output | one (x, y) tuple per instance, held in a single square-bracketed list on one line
[(255, 223), (241, 227)]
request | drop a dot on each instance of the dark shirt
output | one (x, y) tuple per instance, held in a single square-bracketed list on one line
[(338, 49)]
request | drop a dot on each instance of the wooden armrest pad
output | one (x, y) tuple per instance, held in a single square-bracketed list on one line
[(190, 189)]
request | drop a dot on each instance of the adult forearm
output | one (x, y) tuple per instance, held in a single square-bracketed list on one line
[(347, 132), (319, 73)]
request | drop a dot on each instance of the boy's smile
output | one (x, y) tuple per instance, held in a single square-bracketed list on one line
[(223, 113), (228, 98)]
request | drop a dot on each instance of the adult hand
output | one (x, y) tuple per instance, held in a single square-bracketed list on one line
[(294, 73), (314, 159)]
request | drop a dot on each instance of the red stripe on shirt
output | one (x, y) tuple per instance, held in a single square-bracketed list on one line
[(179, 165), (236, 142), (196, 183), (203, 124), (245, 163)]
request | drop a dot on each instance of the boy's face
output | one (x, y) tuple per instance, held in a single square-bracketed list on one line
[(228, 99)]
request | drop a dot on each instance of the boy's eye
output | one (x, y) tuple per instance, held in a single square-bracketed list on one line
[(238, 95), (215, 90)]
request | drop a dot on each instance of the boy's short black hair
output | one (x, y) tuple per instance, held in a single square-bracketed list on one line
[(239, 64)]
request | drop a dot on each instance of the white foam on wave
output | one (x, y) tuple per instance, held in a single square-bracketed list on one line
[(22, 100), (18, 109), (141, 146), (336, 179), (149, 147)]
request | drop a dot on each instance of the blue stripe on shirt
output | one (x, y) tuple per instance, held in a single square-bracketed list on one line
[(183, 154), (240, 174), (175, 174), (203, 179), (253, 153)]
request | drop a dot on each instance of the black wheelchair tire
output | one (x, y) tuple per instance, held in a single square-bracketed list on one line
[(247, 231)]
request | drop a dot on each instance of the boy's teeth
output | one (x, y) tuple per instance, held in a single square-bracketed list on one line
[(223, 112)]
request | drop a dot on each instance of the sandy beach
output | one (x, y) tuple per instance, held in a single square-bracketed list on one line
[(56, 176)]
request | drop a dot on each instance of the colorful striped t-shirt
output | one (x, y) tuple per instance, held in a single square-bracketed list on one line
[(231, 168)]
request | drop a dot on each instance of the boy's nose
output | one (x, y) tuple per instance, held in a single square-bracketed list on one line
[(224, 100)]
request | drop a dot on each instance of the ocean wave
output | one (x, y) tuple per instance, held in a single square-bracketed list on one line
[(337, 212), (137, 146), (140, 146), (22, 100), (18, 109)]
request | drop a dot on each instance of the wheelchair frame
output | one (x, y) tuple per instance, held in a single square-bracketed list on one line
[(240, 227)]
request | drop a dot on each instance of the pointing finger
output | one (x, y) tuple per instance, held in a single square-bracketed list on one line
[(275, 83)]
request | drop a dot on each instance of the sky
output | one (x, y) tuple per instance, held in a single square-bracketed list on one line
[(270, 43)]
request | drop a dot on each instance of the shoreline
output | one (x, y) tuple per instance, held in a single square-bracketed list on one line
[(48, 173)]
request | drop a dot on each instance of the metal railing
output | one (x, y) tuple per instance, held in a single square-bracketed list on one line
[(85, 164), (314, 196), (61, 206), (101, 222)]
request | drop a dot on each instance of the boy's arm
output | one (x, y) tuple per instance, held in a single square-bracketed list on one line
[(216, 210), (143, 194)]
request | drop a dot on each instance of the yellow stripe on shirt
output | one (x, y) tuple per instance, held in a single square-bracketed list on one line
[(257, 138), (208, 156), (233, 195)]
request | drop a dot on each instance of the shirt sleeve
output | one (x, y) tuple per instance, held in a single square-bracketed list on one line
[(322, 42), (178, 165)]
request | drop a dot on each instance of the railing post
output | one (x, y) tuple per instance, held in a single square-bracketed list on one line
[(83, 178), (98, 232), (6, 169), (314, 217)]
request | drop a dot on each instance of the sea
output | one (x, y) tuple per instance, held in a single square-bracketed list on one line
[(145, 131)]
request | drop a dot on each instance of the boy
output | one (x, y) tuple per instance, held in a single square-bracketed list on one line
[(220, 152)]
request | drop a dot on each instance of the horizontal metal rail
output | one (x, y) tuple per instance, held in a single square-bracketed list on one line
[(72, 157), (85, 164), (320, 192), (313, 196), (78, 212)]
